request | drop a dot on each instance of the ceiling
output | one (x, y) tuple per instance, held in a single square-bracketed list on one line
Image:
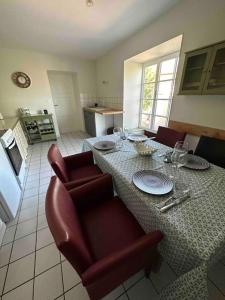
[(71, 28)]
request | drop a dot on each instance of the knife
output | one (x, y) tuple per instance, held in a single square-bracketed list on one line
[(176, 202), (110, 151)]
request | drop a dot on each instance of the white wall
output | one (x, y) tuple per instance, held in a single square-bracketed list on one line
[(201, 22), (132, 93), (38, 95)]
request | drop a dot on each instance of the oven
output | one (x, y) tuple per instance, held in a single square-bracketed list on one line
[(14, 156), (9, 143)]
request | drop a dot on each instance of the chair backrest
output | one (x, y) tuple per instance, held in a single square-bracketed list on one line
[(149, 133), (57, 162), (211, 149), (169, 136), (65, 227)]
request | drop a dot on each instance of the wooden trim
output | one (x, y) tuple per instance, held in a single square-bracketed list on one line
[(197, 129)]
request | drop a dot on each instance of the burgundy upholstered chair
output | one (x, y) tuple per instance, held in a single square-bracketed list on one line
[(98, 235), (75, 169), (169, 136), (149, 134)]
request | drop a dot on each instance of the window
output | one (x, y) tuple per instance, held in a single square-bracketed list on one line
[(157, 91)]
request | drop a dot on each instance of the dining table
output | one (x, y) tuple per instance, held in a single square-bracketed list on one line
[(194, 230)]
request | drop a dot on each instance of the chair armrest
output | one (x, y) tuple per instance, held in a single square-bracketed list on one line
[(137, 253), (79, 160), (93, 192), (73, 184)]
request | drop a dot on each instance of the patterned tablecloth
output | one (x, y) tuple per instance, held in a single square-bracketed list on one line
[(194, 230)]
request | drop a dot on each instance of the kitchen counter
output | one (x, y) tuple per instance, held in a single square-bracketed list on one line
[(104, 110)]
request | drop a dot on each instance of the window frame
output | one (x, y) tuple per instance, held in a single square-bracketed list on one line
[(156, 86)]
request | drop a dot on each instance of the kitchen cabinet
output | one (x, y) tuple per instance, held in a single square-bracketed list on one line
[(89, 121), (215, 77), (96, 124), (204, 71)]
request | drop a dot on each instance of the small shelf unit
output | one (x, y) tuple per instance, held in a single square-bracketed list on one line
[(39, 128), (204, 71)]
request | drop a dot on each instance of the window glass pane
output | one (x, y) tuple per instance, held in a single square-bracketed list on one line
[(166, 76), (167, 69), (162, 107), (164, 90), (149, 89), (167, 66), (145, 121), (159, 121), (147, 106), (150, 73)]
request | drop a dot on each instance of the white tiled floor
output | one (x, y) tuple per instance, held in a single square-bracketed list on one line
[(31, 267)]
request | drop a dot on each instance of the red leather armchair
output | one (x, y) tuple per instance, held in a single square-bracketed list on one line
[(73, 170), (169, 136), (98, 235)]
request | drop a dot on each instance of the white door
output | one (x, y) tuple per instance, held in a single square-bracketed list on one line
[(64, 101)]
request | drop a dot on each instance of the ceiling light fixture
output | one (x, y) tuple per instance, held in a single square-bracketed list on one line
[(90, 3)]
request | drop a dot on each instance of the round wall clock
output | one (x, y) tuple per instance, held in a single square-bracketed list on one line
[(21, 79)]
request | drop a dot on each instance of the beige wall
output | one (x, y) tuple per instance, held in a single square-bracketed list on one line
[(38, 95), (131, 94), (201, 22)]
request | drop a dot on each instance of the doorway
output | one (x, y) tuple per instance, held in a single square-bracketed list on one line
[(65, 96)]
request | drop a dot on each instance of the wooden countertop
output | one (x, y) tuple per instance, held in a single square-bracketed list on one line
[(104, 110)]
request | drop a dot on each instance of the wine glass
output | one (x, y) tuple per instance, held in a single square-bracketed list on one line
[(179, 158)]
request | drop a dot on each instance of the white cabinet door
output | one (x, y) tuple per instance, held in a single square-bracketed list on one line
[(102, 123)]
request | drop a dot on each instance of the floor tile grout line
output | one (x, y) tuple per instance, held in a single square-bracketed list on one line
[(3, 288), (132, 285), (61, 267), (125, 292), (154, 286), (69, 290), (36, 235), (9, 263), (25, 282), (215, 285), (15, 239)]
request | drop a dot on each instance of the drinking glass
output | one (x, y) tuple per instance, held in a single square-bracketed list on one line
[(179, 158), (117, 131)]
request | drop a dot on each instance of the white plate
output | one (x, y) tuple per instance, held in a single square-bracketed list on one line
[(195, 162), (153, 182), (137, 137), (105, 145)]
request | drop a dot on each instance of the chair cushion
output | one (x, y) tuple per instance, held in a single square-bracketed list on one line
[(109, 227), (83, 172)]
